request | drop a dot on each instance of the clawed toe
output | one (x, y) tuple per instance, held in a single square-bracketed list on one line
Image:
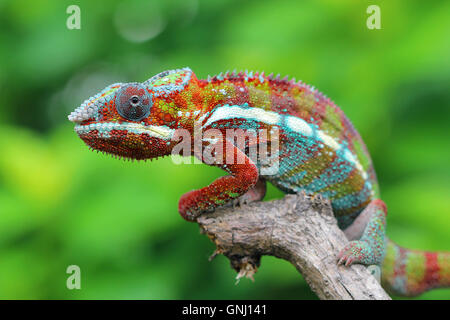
[(351, 253)]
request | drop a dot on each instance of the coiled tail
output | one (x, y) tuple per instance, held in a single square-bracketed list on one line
[(408, 272)]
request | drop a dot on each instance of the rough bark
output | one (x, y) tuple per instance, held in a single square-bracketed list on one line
[(299, 229)]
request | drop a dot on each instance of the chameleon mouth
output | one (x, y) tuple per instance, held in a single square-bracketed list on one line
[(105, 129)]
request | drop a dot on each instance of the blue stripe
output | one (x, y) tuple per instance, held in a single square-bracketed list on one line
[(296, 152), (353, 200), (336, 172)]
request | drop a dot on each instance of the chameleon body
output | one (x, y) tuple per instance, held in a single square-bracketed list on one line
[(318, 152)]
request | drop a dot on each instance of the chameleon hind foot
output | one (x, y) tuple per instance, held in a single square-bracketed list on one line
[(356, 252), (367, 233)]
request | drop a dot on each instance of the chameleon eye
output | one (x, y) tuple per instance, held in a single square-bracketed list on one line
[(133, 102)]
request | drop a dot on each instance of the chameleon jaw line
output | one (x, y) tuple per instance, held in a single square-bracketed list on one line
[(105, 128)]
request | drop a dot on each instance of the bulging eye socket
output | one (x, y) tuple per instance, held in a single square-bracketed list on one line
[(133, 102)]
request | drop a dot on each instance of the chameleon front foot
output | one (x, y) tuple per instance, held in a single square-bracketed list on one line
[(243, 177), (256, 193), (191, 207), (193, 204)]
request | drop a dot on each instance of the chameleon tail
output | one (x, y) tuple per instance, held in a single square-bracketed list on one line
[(408, 272)]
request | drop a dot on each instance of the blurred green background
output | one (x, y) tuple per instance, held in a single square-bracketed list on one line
[(61, 204)]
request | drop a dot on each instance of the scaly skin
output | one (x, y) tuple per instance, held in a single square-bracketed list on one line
[(317, 150)]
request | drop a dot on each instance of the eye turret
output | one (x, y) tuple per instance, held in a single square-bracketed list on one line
[(133, 102)]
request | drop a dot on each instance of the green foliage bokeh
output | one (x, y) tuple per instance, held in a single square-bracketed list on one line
[(61, 204)]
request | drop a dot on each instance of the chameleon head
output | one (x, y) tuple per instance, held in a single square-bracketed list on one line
[(131, 120)]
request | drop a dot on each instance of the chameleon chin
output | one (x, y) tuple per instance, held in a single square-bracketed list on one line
[(320, 151)]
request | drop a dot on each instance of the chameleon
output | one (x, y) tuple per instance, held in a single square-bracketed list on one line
[(316, 150)]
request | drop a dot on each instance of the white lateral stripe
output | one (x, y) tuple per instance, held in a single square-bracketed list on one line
[(293, 123), (299, 125), (228, 112), (328, 140)]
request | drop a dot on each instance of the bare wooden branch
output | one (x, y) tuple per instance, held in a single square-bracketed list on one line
[(299, 229)]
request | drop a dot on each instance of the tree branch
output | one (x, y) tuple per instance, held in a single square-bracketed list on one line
[(299, 229)]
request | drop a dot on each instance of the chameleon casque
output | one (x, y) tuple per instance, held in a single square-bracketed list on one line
[(319, 152)]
